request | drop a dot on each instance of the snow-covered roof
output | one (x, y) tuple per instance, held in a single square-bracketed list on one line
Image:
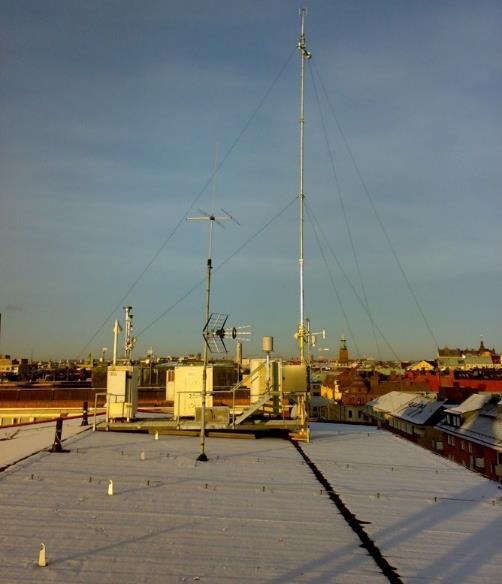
[(474, 402), (254, 512), (392, 401), (485, 427), (420, 410), (431, 518), (17, 442), (410, 407), (484, 430)]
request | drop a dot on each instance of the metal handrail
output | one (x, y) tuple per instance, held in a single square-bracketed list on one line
[(96, 407)]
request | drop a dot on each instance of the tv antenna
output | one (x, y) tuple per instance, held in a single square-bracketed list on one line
[(215, 332), (211, 218)]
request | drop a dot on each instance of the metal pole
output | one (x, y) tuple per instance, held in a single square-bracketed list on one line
[(304, 54), (56, 446), (309, 344), (233, 406), (202, 456), (95, 408), (303, 399), (211, 218), (85, 414)]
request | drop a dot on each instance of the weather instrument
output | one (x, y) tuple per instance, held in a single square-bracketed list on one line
[(129, 341)]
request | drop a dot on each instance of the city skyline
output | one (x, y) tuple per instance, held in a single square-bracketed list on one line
[(115, 116)]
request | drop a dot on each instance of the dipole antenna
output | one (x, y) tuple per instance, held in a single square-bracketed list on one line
[(312, 339), (304, 56), (211, 218), (117, 329)]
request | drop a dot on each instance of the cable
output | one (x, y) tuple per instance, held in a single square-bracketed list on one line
[(241, 247), (342, 205), (377, 215), (218, 267), (172, 306), (332, 280), (194, 201), (309, 210)]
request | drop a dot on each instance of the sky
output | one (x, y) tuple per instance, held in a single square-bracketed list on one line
[(119, 119)]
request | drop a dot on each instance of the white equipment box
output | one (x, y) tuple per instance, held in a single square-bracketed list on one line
[(188, 390), (122, 392)]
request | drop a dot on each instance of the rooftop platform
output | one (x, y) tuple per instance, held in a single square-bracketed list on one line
[(167, 426)]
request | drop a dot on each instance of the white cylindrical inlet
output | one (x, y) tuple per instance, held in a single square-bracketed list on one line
[(238, 353), (267, 344)]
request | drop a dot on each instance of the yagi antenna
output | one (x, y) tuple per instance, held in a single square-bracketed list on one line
[(214, 332), (239, 333)]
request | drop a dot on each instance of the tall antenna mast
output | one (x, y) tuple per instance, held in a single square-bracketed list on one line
[(304, 55)]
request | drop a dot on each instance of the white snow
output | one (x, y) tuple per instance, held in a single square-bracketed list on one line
[(432, 519), (474, 402), (253, 513), (392, 401), (17, 442)]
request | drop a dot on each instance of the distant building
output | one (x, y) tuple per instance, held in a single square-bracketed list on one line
[(420, 366), (15, 369), (472, 434), (468, 358), (343, 352), (411, 415), (349, 390), (6, 366)]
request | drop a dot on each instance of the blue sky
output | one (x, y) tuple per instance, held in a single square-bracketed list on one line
[(113, 116)]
